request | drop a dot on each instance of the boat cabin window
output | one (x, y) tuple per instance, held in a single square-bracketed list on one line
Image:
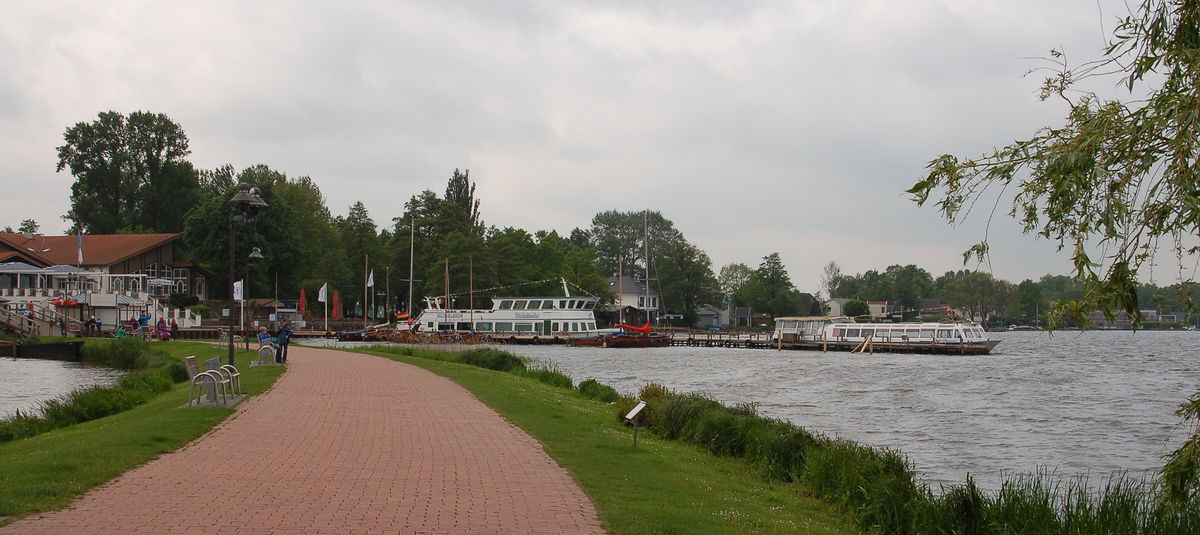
[(524, 327), (837, 332), (503, 326), (926, 333), (574, 326), (554, 326), (588, 305), (505, 304), (534, 305), (463, 326), (483, 326), (852, 333), (547, 304), (946, 333), (429, 325), (519, 305), (562, 303), (591, 326), (867, 332), (912, 333)]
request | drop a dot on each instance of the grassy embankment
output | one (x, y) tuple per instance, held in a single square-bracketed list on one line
[(48, 470), (661, 487), (876, 488)]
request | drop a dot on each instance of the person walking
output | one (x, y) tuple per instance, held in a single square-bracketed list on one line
[(174, 329), (282, 336)]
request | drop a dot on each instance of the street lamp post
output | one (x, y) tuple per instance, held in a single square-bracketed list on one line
[(255, 255), (245, 204)]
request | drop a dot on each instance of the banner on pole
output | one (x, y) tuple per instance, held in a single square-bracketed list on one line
[(237, 291), (323, 294)]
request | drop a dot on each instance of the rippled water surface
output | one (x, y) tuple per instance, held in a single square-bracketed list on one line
[(25, 383), (1076, 402)]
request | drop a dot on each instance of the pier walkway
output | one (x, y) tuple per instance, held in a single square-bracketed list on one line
[(343, 443)]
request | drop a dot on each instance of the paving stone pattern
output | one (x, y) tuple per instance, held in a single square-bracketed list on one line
[(344, 443)]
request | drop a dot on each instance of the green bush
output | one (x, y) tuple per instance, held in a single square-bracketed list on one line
[(877, 486), (21, 424), (492, 359), (654, 392), (153, 381), (678, 412), (549, 376), (204, 311), (120, 353), (778, 449), (593, 389)]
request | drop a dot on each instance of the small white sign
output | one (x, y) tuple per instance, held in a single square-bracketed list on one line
[(641, 405)]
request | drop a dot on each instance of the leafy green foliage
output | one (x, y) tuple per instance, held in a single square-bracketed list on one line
[(550, 376), (492, 359), (593, 389), (856, 308), (1181, 475), (129, 173), (1117, 176)]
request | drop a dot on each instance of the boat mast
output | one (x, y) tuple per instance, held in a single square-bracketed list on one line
[(646, 240), (471, 289), (621, 288)]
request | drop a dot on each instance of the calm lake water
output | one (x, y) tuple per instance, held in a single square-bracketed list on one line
[(25, 383), (1074, 402)]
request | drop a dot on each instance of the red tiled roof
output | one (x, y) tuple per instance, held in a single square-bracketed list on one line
[(98, 249), (5, 256)]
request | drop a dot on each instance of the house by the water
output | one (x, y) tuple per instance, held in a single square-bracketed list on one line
[(45, 280)]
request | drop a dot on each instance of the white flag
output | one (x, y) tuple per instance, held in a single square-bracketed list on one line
[(79, 247), (371, 279), (237, 291), (323, 295)]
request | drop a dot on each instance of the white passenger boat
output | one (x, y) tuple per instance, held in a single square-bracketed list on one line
[(843, 333), (567, 316)]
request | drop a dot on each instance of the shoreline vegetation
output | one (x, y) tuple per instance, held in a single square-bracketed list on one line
[(703, 467), (48, 470), (875, 488)]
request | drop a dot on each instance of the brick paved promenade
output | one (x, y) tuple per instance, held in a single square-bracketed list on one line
[(343, 444)]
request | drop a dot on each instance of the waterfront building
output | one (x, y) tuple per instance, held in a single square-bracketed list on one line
[(112, 277)]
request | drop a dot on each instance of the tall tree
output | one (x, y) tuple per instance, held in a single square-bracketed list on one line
[(687, 279), (129, 172), (1119, 176), (831, 276), (29, 226), (460, 192), (733, 277)]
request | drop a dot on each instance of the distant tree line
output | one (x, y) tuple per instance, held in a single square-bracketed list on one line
[(132, 176), (982, 295)]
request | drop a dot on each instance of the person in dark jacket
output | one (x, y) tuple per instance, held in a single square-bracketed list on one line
[(282, 336), (174, 329)]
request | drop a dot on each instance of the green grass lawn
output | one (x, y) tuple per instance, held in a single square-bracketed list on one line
[(661, 487), (47, 471)]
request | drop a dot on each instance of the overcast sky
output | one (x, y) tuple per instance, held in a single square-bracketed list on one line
[(755, 126)]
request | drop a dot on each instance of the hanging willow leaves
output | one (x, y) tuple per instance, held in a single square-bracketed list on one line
[(1119, 177)]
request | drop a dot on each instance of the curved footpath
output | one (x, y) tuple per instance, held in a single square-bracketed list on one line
[(343, 443)]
